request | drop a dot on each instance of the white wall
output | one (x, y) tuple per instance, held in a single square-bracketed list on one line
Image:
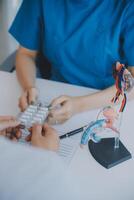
[(8, 9)]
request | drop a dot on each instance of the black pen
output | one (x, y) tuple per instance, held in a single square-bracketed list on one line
[(71, 133)]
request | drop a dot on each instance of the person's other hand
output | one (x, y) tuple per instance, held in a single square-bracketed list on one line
[(45, 137), (66, 107), (28, 97), (8, 128)]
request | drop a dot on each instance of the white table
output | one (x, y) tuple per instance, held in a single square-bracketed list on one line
[(97, 183)]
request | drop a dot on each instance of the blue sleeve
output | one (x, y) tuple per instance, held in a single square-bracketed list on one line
[(26, 28), (128, 35)]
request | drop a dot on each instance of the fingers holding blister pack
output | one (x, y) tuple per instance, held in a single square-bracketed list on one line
[(37, 113), (34, 114), (28, 97)]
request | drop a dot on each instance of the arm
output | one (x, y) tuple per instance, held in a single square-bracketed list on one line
[(26, 73), (25, 67), (104, 96), (73, 105)]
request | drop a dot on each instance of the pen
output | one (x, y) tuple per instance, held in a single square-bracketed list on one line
[(71, 133)]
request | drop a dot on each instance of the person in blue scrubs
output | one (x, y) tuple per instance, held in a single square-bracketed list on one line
[(82, 39)]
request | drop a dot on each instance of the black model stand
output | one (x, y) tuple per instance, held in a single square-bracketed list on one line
[(105, 153)]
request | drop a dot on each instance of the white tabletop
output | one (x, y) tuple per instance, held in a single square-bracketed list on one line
[(97, 183)]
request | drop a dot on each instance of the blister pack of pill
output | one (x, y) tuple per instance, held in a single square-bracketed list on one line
[(36, 113), (33, 114)]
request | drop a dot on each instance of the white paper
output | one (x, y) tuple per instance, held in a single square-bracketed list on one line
[(67, 149)]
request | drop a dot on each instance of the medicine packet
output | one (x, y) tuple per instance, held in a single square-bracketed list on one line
[(36, 113)]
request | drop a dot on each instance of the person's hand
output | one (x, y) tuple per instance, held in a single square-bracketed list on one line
[(44, 137), (63, 108), (28, 97), (8, 128)]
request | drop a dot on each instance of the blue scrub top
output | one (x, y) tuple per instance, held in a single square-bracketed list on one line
[(82, 39)]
